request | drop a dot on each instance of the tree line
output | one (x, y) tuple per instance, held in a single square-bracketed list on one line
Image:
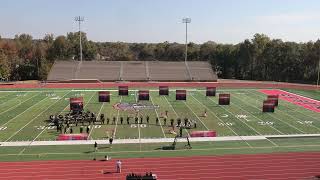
[(259, 58)]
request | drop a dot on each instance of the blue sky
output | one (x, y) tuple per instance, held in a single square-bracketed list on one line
[(223, 21)]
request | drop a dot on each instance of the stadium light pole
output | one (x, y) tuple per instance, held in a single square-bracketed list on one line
[(80, 19), (186, 21)]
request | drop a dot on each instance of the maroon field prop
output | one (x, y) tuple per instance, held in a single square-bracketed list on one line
[(76, 103), (143, 95), (224, 99), (123, 90), (203, 134), (181, 94), (211, 91), (66, 137), (163, 90), (274, 98), (268, 106), (104, 96)]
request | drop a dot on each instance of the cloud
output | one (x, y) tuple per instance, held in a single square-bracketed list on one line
[(289, 18)]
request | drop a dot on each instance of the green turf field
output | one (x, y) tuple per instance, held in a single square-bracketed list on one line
[(23, 116)]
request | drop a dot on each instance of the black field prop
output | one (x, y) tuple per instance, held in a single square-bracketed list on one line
[(274, 98), (123, 90), (104, 96), (224, 99), (143, 95), (76, 104), (181, 95), (268, 106), (163, 90), (211, 91)]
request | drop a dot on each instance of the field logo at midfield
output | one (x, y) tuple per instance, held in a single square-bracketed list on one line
[(134, 106), (298, 100)]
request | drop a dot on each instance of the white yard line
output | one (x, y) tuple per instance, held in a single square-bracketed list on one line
[(23, 111), (58, 114), (278, 118), (219, 119), (298, 107), (254, 115), (115, 128), (139, 132), (245, 123), (196, 116), (18, 104), (157, 116), (177, 116), (17, 97), (96, 117), (32, 119)]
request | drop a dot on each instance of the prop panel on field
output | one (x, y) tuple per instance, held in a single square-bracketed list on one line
[(181, 95), (123, 90), (224, 99), (143, 95), (104, 96), (211, 91), (76, 103), (163, 90)]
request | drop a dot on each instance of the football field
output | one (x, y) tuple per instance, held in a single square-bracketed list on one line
[(24, 115)]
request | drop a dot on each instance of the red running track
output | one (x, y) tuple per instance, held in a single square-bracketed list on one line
[(258, 166)]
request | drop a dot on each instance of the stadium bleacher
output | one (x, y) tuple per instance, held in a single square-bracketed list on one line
[(132, 71)]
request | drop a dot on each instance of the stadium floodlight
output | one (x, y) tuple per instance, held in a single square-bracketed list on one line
[(186, 21), (80, 19)]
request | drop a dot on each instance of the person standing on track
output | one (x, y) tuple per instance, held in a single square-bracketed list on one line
[(118, 166)]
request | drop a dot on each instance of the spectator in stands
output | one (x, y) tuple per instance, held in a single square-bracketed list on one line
[(118, 166)]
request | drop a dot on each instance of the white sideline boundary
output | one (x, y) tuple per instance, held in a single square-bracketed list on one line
[(155, 140)]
